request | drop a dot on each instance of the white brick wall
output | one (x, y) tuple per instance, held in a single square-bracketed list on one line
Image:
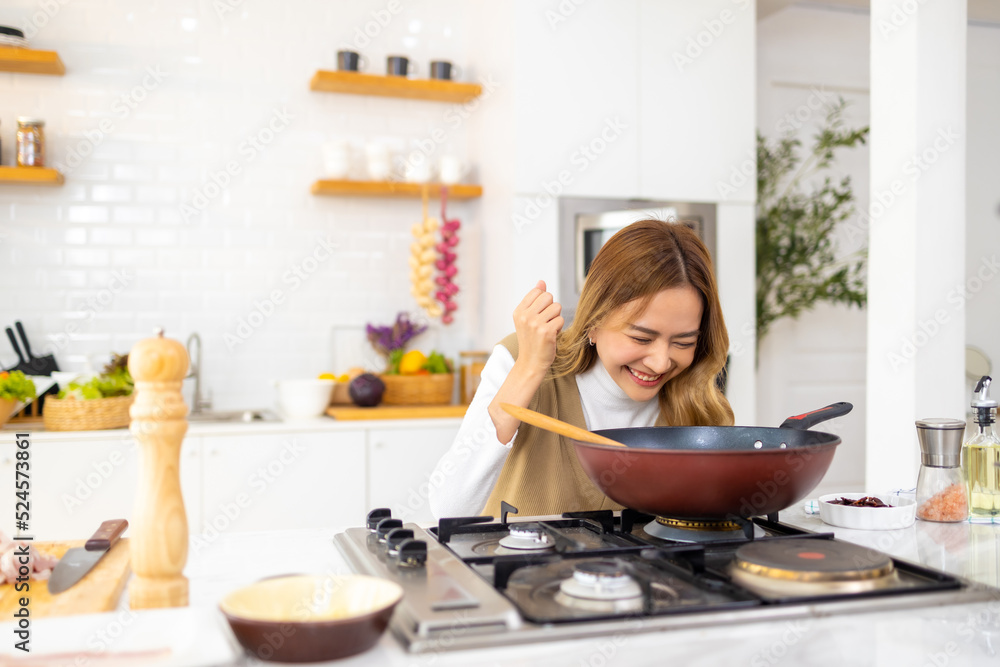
[(93, 266)]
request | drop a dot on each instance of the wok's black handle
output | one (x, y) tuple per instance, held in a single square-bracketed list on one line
[(24, 339), (13, 341), (809, 419)]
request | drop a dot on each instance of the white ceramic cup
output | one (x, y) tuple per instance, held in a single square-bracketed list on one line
[(337, 159), (450, 169), (417, 168), (379, 161)]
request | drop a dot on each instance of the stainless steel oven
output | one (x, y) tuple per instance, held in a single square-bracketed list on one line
[(585, 224)]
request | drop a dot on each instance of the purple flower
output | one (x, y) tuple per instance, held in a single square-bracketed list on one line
[(386, 339)]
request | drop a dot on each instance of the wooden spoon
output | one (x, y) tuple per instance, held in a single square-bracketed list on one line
[(556, 426)]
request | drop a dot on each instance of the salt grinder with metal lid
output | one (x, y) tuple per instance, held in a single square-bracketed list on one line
[(941, 490)]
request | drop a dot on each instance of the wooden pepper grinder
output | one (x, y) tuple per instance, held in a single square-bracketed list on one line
[(159, 544)]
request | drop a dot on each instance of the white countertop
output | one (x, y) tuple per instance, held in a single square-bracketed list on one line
[(952, 635)]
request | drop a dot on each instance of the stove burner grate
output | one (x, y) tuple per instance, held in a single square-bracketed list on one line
[(601, 580), (529, 536), (556, 591)]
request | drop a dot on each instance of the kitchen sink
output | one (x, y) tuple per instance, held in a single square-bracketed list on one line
[(246, 416)]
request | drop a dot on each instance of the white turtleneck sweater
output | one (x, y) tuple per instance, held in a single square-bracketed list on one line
[(464, 477)]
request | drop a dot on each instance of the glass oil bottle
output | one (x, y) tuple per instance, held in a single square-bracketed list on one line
[(981, 456)]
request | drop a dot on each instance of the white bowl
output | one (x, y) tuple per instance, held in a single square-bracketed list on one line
[(301, 399), (900, 514)]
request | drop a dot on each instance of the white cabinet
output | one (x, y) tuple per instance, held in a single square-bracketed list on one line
[(76, 484), (243, 480), (576, 113), (696, 97), (286, 481), (400, 463), (191, 475), (662, 107)]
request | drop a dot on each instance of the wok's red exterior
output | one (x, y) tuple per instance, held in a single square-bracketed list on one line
[(705, 484)]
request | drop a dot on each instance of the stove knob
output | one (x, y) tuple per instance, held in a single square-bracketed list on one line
[(395, 537), (412, 553), (384, 526), (377, 515)]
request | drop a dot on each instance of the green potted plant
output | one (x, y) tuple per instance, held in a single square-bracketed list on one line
[(798, 209)]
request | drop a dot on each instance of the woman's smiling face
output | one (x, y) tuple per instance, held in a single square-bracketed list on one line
[(642, 350)]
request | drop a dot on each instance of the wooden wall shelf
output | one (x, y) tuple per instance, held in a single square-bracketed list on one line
[(30, 176), (356, 83), (392, 189), (30, 61)]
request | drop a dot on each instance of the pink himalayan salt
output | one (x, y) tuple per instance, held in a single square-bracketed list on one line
[(948, 504)]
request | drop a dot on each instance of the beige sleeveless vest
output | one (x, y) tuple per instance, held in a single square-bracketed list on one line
[(542, 474)]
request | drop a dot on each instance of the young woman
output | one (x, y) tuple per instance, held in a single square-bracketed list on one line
[(644, 349)]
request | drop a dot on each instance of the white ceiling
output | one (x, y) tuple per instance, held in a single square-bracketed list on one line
[(980, 11)]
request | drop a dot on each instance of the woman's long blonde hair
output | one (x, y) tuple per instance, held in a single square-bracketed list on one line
[(634, 265)]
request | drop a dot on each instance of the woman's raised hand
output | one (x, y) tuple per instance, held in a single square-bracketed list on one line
[(537, 321)]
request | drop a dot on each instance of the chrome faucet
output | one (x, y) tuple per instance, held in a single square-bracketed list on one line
[(198, 402)]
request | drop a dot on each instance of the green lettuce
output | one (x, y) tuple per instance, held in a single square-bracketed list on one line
[(16, 385)]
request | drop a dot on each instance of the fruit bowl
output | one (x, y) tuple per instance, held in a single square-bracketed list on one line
[(429, 389), (340, 394)]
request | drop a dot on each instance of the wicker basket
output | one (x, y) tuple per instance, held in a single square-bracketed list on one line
[(340, 395), (433, 389), (71, 414)]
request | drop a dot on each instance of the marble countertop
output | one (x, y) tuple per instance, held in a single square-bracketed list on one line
[(951, 635)]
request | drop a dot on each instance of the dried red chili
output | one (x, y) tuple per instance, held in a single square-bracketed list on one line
[(867, 501)]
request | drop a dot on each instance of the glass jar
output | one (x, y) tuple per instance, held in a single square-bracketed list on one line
[(472, 371), (942, 494), (30, 142)]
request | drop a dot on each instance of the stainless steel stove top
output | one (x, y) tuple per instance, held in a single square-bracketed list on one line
[(475, 582)]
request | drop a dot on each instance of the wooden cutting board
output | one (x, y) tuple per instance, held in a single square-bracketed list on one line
[(352, 412), (98, 591)]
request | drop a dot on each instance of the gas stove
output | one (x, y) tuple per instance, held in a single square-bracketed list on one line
[(475, 581)]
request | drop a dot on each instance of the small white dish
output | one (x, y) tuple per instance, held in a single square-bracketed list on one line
[(302, 399), (901, 512)]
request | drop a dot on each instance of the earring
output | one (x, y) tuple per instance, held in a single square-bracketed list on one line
[(591, 340)]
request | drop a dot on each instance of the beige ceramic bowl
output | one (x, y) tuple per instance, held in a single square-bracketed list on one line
[(305, 618)]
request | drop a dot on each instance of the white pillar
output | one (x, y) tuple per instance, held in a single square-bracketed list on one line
[(735, 271), (916, 317)]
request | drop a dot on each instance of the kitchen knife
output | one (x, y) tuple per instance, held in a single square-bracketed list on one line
[(77, 562)]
